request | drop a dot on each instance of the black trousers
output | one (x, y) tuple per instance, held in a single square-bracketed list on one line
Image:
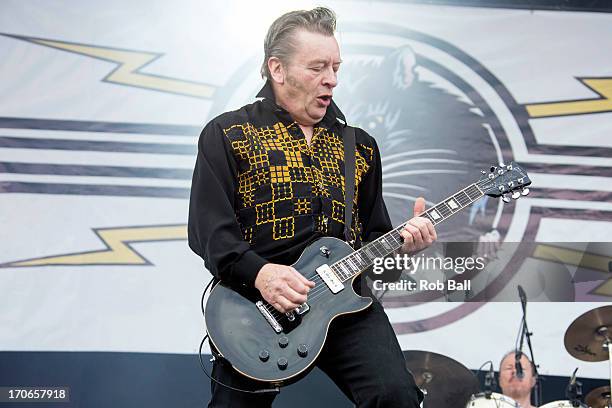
[(361, 355)]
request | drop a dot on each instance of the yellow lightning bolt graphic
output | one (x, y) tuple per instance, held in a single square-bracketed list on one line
[(601, 86), (128, 69), (578, 258), (118, 250)]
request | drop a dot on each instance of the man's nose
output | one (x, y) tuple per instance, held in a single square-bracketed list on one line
[(331, 78)]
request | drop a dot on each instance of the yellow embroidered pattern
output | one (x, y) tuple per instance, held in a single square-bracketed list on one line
[(281, 176)]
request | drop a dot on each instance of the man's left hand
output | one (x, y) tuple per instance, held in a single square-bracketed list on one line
[(419, 232)]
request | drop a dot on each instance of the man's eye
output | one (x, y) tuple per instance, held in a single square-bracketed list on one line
[(316, 69)]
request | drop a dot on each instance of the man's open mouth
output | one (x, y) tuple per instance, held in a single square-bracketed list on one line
[(325, 99)]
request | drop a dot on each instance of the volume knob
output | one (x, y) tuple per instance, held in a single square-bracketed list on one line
[(282, 363), (302, 350), (283, 341), (264, 355)]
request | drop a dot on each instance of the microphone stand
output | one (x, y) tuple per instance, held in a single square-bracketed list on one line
[(525, 333), (489, 381)]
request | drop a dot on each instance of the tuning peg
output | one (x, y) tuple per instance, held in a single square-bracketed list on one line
[(483, 172), (505, 198), (516, 195), (525, 191), (502, 164)]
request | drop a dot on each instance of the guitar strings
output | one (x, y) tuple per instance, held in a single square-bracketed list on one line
[(316, 293), (324, 289), (317, 278)]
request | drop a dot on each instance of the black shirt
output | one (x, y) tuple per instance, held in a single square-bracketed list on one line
[(261, 194)]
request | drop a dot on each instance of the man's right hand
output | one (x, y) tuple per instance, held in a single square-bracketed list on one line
[(282, 286)]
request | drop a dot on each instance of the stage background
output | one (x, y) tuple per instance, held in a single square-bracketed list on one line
[(100, 109)]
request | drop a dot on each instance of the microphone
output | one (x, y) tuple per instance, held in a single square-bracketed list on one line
[(573, 380), (517, 365)]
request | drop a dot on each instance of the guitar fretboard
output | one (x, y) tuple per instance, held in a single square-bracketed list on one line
[(364, 257)]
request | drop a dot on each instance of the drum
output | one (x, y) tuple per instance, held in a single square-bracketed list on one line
[(560, 404), (496, 401)]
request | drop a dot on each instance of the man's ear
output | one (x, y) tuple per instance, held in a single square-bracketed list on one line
[(277, 70)]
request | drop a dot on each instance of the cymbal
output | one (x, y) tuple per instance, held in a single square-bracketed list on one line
[(448, 383), (584, 338), (598, 397)]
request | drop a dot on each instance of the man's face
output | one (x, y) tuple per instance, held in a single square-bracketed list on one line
[(510, 384), (310, 76)]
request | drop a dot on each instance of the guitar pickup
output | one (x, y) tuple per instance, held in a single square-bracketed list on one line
[(330, 278)]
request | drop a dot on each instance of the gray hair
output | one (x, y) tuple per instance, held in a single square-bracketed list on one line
[(279, 40)]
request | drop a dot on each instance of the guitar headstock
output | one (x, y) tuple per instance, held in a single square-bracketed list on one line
[(503, 180)]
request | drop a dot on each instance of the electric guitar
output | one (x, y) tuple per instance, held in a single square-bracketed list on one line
[(267, 345)]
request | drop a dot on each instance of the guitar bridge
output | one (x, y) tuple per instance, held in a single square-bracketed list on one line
[(268, 316), (302, 309), (299, 311)]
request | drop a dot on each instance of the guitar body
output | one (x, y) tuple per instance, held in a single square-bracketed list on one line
[(246, 339)]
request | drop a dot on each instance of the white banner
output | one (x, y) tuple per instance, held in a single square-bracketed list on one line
[(100, 111)]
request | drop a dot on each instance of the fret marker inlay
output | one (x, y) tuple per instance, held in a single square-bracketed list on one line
[(385, 244)]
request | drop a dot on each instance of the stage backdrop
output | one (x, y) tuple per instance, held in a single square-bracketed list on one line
[(100, 109)]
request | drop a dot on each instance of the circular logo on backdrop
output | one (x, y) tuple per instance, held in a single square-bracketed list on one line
[(439, 117)]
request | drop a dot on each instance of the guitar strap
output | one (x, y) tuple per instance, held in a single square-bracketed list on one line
[(348, 135)]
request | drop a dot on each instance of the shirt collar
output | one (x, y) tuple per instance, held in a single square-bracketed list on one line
[(333, 115)]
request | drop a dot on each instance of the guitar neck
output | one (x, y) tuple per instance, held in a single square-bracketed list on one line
[(364, 257)]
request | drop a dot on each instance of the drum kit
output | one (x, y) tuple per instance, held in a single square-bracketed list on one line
[(447, 383)]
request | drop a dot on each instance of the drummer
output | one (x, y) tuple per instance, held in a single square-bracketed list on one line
[(519, 389)]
